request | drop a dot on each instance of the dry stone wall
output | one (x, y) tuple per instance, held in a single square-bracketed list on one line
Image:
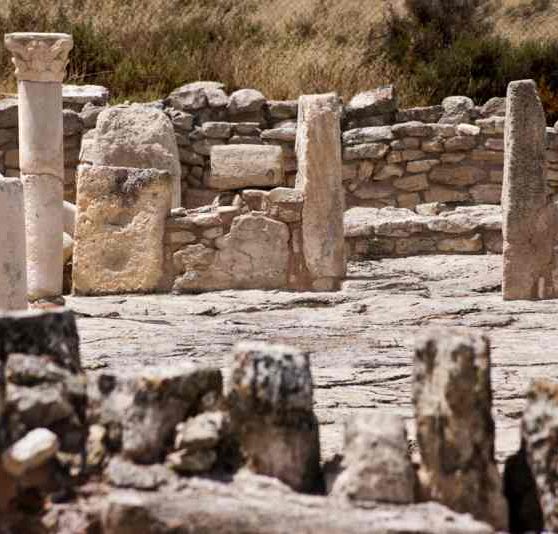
[(391, 157)]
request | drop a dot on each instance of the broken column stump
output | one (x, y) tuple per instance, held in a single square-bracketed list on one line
[(539, 435), (529, 215), (377, 462), (270, 400), (455, 430), (319, 176)]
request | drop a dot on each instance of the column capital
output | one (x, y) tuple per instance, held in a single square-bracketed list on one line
[(39, 57)]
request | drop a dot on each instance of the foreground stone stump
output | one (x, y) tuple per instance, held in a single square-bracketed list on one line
[(139, 410), (319, 176), (539, 434), (40, 60), (377, 462), (270, 400), (119, 230), (455, 430), (13, 276), (529, 215)]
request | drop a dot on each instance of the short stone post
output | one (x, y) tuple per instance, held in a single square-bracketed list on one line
[(539, 438), (529, 215), (377, 461), (13, 277), (318, 149), (270, 400), (40, 60), (455, 430)]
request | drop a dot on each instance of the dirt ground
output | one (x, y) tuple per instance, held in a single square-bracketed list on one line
[(361, 339)]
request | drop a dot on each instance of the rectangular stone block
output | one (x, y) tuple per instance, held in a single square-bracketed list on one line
[(120, 226), (237, 166)]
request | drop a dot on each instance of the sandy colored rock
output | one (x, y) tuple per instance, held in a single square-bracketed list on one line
[(13, 264), (319, 176), (530, 218), (30, 452), (269, 396), (455, 430), (254, 254), (377, 462), (119, 229), (238, 166), (137, 136)]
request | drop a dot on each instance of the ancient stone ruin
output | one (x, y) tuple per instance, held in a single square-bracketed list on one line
[(141, 391)]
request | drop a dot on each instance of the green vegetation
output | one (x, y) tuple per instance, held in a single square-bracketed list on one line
[(142, 49)]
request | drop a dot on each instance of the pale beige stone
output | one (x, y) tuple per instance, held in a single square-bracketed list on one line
[(461, 244), (137, 136), (415, 182), (30, 452), (318, 146), (529, 215), (238, 166), (119, 229), (254, 255), (13, 275)]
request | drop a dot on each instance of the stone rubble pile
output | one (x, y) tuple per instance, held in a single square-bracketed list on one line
[(105, 450)]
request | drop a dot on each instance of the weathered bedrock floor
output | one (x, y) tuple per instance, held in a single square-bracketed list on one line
[(361, 339)]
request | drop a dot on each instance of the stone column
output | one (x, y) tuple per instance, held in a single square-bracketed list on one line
[(529, 215), (455, 430), (13, 277), (40, 60), (318, 149)]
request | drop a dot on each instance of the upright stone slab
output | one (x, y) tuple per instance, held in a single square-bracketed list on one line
[(120, 224), (270, 400), (455, 430), (40, 60), (318, 149), (529, 215), (138, 136), (377, 462), (13, 276), (539, 433)]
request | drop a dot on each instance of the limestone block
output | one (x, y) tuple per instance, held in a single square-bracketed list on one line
[(422, 165), (456, 175), (246, 101), (539, 431), (220, 130), (365, 151), (13, 265), (382, 100), (270, 396), (462, 142), (70, 214), (487, 193), (530, 217), (286, 133), (420, 114), (457, 109), (238, 166), (318, 147), (494, 106), (137, 136), (282, 109), (376, 460), (412, 129), (254, 255), (455, 430), (30, 452), (389, 171), (80, 95), (445, 194), (461, 244), (285, 204), (141, 408), (415, 182), (408, 200), (119, 230), (198, 95), (374, 190), (372, 134)]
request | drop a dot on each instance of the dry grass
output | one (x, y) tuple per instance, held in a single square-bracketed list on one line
[(142, 49)]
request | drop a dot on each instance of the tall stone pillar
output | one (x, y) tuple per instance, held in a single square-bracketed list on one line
[(529, 215), (318, 149), (13, 277), (40, 60)]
